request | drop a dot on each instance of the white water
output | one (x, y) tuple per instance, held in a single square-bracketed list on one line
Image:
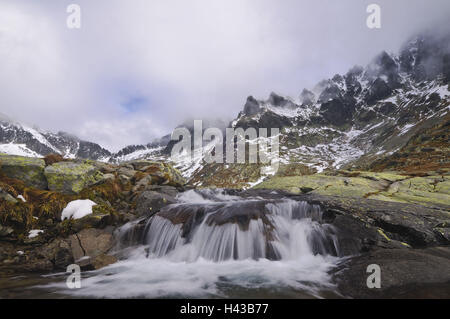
[(223, 260)]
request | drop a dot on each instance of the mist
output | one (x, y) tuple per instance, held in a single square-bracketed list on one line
[(136, 69)]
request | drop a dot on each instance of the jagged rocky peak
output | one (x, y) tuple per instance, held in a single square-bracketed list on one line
[(426, 56), (252, 106), (307, 97), (19, 139), (330, 91), (281, 101)]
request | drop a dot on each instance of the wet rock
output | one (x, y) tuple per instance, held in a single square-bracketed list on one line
[(91, 242), (151, 202), (87, 263), (405, 273), (71, 177), (27, 169)]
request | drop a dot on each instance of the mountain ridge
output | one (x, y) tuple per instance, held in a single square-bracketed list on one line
[(346, 121)]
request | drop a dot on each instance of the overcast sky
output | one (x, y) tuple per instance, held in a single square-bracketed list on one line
[(137, 68)]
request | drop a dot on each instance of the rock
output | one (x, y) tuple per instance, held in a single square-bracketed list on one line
[(251, 106), (7, 197), (150, 202), (124, 179), (160, 173), (27, 169), (142, 183), (58, 252), (95, 220), (107, 177), (5, 231), (377, 223), (71, 177), (281, 101), (405, 273), (91, 242), (427, 191), (338, 111), (52, 159), (378, 90), (88, 263), (126, 172), (164, 189), (306, 189)]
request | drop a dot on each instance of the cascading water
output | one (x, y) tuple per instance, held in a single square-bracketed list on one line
[(213, 244), (238, 230)]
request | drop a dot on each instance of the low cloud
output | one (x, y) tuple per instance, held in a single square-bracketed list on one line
[(138, 68)]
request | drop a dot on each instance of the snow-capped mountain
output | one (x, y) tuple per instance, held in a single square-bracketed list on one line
[(349, 120), (354, 119), (20, 139)]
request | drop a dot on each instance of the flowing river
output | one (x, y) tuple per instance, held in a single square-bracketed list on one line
[(213, 245)]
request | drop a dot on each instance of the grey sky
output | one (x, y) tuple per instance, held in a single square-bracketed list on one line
[(137, 68)]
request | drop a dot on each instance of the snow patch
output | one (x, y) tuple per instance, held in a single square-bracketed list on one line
[(34, 233), (77, 209), (17, 149)]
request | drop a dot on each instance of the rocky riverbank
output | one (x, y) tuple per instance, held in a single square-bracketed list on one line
[(34, 192)]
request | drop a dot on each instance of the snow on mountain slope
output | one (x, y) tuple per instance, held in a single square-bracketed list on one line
[(346, 121)]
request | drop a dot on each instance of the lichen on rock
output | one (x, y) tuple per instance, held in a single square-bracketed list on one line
[(71, 177)]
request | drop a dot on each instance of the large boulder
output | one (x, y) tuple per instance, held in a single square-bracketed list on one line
[(27, 169), (71, 177)]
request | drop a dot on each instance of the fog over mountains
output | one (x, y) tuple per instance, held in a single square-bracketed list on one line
[(358, 117)]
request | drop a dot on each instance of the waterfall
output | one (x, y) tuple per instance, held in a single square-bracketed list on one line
[(212, 244), (223, 230)]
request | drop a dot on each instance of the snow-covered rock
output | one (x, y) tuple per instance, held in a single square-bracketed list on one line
[(77, 209)]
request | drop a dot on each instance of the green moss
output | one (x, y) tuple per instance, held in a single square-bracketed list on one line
[(325, 185), (71, 177)]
